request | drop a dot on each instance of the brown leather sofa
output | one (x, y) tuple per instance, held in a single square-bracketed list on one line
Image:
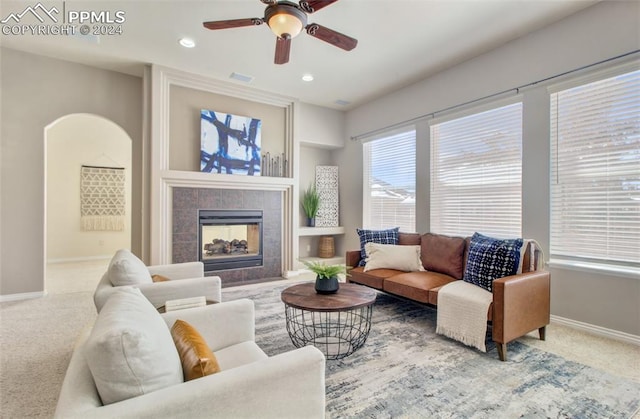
[(521, 303)]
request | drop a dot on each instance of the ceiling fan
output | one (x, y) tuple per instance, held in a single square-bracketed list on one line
[(287, 19)]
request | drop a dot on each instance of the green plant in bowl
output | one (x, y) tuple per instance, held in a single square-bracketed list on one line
[(326, 276), (324, 271)]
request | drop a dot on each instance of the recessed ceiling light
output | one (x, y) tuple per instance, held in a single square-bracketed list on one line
[(307, 77), (187, 42)]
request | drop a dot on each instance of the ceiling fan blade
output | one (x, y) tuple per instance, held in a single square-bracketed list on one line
[(315, 5), (283, 47), (329, 35), (233, 23)]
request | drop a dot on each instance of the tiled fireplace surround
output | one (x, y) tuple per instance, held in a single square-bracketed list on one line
[(187, 202)]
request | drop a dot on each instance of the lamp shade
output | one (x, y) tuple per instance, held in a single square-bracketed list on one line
[(285, 21)]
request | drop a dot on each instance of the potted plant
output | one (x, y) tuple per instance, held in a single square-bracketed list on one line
[(311, 204), (326, 276)]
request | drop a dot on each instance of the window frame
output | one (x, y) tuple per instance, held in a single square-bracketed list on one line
[(572, 261), (391, 134), (490, 105)]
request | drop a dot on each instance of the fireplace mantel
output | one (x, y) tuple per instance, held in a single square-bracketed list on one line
[(181, 179), (224, 181), (163, 179)]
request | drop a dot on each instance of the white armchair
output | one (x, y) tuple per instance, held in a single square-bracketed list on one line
[(249, 385), (185, 280)]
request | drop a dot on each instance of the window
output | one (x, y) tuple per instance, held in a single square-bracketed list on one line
[(476, 174), (390, 182), (595, 170)]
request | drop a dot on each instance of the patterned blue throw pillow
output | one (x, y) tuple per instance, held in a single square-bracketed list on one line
[(389, 236), (490, 259)]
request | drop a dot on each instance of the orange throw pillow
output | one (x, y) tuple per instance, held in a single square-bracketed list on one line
[(159, 278), (197, 358)]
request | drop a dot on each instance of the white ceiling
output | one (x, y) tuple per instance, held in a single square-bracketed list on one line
[(400, 41)]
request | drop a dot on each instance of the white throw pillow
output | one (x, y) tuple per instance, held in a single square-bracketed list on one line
[(126, 269), (130, 351), (391, 256)]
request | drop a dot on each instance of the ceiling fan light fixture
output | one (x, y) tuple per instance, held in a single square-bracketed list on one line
[(285, 20)]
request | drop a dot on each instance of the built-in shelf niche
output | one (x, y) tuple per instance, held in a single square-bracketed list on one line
[(320, 231)]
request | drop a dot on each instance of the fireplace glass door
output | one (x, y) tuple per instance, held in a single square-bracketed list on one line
[(230, 239), (225, 241)]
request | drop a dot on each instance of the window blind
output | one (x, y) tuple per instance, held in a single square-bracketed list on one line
[(476, 174), (390, 182), (595, 178)]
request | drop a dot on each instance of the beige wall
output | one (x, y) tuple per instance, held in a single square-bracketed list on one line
[(186, 104), (72, 142), (320, 127), (35, 92), (597, 33)]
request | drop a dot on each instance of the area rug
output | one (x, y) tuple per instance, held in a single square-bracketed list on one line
[(405, 370)]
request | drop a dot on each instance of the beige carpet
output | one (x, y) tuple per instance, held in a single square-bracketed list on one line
[(37, 338), (37, 341)]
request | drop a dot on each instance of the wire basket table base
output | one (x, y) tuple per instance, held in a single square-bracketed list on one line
[(337, 324), (337, 334)]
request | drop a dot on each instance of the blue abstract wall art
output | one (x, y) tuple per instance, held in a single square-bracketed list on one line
[(229, 143)]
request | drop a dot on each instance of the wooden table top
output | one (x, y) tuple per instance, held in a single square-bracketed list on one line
[(349, 296)]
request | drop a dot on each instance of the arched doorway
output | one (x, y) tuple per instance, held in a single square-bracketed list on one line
[(75, 243)]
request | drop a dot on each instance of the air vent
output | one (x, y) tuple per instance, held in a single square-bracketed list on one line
[(241, 77), (342, 102), (90, 38)]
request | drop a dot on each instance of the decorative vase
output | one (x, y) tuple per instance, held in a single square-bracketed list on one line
[(311, 222), (327, 285)]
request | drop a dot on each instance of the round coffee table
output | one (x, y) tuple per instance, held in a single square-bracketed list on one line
[(337, 324)]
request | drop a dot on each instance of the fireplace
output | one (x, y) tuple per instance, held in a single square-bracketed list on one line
[(188, 247), (230, 239)]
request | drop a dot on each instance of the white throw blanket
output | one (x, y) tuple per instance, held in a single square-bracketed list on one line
[(534, 246), (462, 313)]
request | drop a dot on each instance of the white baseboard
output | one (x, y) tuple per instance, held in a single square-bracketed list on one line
[(82, 259), (597, 330), (22, 296)]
